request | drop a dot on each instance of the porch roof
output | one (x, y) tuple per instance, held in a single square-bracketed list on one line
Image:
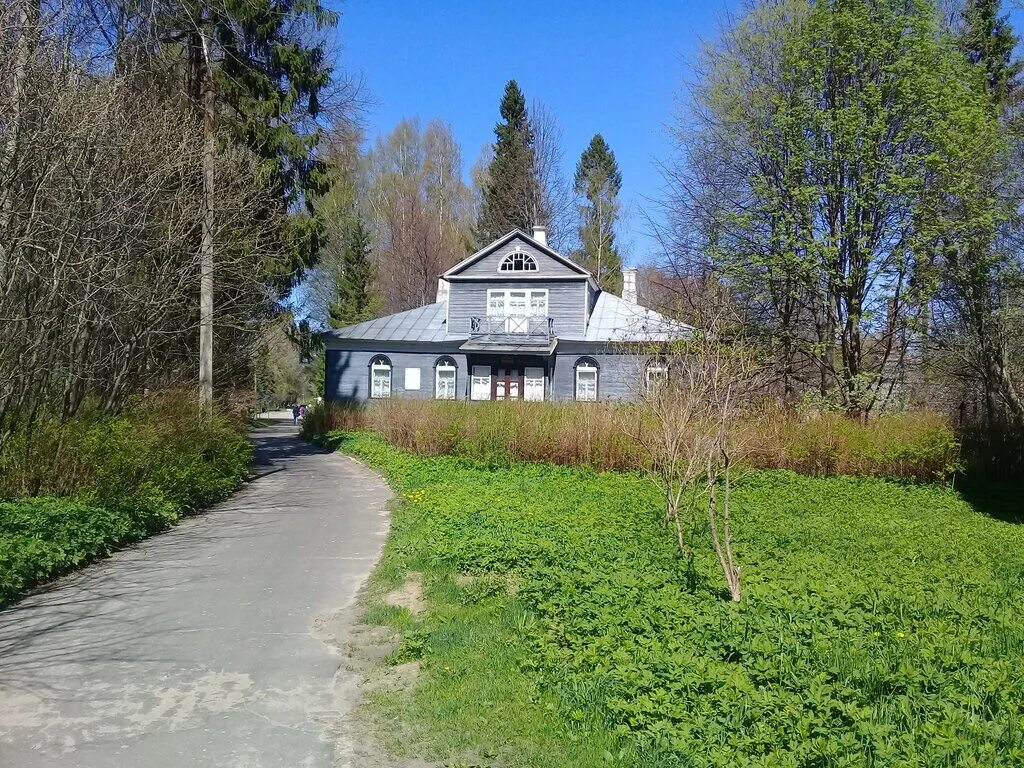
[(510, 346)]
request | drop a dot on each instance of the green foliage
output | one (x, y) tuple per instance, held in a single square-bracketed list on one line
[(271, 72), (78, 490), (511, 196), (598, 181), (881, 625), (354, 302), (988, 41)]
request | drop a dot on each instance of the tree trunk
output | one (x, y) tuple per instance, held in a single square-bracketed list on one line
[(207, 246)]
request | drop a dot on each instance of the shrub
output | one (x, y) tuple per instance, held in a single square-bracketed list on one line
[(76, 490), (916, 445)]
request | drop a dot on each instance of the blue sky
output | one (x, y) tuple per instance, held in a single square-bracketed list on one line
[(612, 68)]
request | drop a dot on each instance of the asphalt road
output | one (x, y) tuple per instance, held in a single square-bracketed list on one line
[(214, 644)]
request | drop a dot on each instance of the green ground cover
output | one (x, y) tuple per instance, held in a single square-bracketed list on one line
[(882, 624), (100, 482)]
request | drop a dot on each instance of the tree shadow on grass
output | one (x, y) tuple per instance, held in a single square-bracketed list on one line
[(998, 499)]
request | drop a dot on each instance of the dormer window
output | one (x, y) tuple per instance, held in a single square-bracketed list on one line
[(518, 261)]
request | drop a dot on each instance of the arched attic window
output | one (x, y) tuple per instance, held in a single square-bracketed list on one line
[(380, 378), (518, 261), (586, 379)]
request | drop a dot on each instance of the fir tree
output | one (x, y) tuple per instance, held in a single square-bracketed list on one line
[(355, 301), (269, 68), (597, 183), (512, 190), (988, 41)]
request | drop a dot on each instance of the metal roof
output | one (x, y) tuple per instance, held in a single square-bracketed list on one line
[(615, 319), (426, 323)]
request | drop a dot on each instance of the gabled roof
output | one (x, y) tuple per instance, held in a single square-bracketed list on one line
[(426, 323), (615, 319), (491, 247)]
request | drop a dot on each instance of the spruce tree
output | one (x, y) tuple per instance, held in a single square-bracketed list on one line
[(355, 301), (269, 80), (988, 41), (597, 183), (512, 190)]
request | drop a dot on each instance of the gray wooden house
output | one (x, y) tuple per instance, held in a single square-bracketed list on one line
[(516, 320)]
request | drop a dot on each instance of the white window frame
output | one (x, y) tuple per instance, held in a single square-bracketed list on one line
[(446, 365), (587, 366), (523, 258), (504, 293), (517, 323), (655, 373), (380, 364)]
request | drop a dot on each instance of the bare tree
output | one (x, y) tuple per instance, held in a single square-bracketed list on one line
[(556, 207), (419, 208), (695, 394), (104, 205)]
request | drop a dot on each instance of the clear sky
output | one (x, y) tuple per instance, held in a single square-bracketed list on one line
[(615, 68)]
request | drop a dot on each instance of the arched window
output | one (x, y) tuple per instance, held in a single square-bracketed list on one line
[(380, 377), (445, 375), (586, 379), (655, 374), (518, 261)]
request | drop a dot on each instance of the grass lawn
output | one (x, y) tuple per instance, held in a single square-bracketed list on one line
[(881, 625)]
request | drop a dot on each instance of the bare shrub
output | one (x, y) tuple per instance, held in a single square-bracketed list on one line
[(917, 445)]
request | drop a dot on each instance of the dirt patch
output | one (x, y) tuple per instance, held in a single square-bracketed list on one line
[(363, 673), (409, 595), (509, 582)]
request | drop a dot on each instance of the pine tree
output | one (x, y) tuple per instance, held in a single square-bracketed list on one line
[(597, 183), (512, 191), (355, 301), (988, 41)]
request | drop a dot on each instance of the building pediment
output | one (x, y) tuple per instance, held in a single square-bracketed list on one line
[(516, 256)]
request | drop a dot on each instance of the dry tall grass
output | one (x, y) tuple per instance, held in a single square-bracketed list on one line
[(917, 445)]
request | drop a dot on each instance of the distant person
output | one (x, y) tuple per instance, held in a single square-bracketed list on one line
[(296, 412), (302, 412)]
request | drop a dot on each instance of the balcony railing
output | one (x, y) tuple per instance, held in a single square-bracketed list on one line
[(531, 329)]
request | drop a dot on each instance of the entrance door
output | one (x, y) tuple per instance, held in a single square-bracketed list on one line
[(533, 389), (509, 385)]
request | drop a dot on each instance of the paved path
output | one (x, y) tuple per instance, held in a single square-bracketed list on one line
[(214, 644)]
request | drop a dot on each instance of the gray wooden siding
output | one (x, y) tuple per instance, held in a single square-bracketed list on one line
[(348, 373), (618, 375), (566, 303), (488, 265)]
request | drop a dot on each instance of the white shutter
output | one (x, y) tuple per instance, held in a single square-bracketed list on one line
[(534, 385), (412, 378), (480, 386)]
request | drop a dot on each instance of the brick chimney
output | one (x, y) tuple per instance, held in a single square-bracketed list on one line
[(629, 285), (540, 234)]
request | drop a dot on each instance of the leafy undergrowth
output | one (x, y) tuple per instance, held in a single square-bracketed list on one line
[(106, 482), (881, 625)]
